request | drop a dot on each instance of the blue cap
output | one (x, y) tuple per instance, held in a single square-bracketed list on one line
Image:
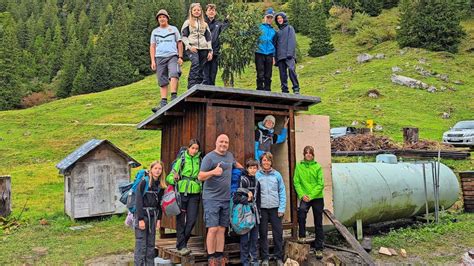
[(269, 12)]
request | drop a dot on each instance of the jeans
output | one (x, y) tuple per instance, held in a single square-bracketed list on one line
[(271, 215), (248, 247), (318, 207), (186, 220), (286, 66)]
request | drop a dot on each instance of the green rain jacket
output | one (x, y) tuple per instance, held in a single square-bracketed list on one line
[(188, 183), (309, 180)]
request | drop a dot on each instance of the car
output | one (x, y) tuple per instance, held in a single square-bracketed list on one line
[(462, 134), (337, 132)]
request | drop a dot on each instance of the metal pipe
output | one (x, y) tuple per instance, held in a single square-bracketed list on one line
[(426, 193)]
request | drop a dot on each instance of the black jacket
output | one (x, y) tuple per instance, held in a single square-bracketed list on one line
[(248, 183), (216, 27), (152, 198)]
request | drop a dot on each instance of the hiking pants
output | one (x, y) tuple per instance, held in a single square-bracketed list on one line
[(271, 215), (264, 64), (317, 205), (210, 71), (186, 219), (288, 66), (197, 65), (145, 242), (248, 247)]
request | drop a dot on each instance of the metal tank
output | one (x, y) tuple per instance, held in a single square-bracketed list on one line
[(387, 190)]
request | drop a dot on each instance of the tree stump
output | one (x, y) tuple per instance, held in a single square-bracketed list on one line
[(410, 135), (297, 251), (5, 196)]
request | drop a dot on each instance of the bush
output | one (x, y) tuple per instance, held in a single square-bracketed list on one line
[(340, 18), (37, 98), (360, 21), (370, 36), (430, 24), (372, 7)]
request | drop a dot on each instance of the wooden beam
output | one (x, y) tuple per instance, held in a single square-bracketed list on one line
[(292, 163), (174, 113), (267, 112), (243, 103), (349, 238)]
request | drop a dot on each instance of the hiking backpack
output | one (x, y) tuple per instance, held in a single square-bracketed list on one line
[(181, 155), (129, 191), (242, 218), (170, 203), (235, 180)]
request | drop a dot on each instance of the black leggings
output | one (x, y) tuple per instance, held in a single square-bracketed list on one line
[(318, 206), (186, 220)]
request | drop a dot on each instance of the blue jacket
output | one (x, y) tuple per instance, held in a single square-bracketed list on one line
[(272, 190), (267, 40), (286, 40), (265, 137)]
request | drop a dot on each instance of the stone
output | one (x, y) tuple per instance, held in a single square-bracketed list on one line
[(363, 58), (409, 82), (40, 251), (373, 95), (443, 88), (396, 69), (355, 123), (432, 89), (385, 251), (403, 51), (379, 56), (378, 128), (423, 72), (80, 227), (445, 115), (452, 89), (338, 72), (403, 252), (443, 77), (422, 60), (458, 82), (394, 253)]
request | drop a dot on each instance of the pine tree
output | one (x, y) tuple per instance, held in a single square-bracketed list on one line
[(431, 24), (81, 83), (56, 51), (372, 7), (320, 34), (239, 41), (71, 62), (11, 91)]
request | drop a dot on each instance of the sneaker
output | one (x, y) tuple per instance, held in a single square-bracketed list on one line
[(265, 263), (279, 263), (302, 240), (162, 104), (184, 251), (173, 96), (318, 254), (296, 91)]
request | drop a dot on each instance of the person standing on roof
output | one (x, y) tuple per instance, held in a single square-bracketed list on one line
[(286, 53), (166, 54), (265, 135), (216, 27), (197, 40), (265, 54), (185, 172)]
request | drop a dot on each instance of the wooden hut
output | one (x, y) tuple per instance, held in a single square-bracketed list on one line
[(92, 174), (204, 112)]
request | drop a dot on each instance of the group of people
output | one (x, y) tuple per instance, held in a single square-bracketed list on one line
[(199, 39), (209, 179)]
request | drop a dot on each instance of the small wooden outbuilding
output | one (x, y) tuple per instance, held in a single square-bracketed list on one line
[(204, 112), (92, 174)]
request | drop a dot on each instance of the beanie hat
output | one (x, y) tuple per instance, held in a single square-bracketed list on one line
[(269, 117), (162, 12), (269, 12)]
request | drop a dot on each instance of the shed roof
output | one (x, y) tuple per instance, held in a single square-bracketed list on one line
[(88, 147), (229, 96)]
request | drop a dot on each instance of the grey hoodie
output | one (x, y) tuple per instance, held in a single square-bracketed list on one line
[(285, 40)]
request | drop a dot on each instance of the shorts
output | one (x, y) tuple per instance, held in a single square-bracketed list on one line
[(216, 212), (167, 68)]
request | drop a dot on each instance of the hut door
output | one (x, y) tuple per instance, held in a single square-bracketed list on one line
[(100, 192), (314, 130)]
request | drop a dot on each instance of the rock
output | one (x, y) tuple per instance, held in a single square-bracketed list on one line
[(89, 105), (367, 244), (394, 253), (384, 251), (396, 69), (379, 56), (458, 82), (422, 61), (423, 72), (374, 93), (290, 262), (80, 227), (409, 82), (468, 258), (403, 51), (432, 89), (443, 88), (362, 58), (443, 77), (40, 251), (378, 128), (452, 89), (338, 72), (355, 123), (403, 252), (27, 133), (445, 115)]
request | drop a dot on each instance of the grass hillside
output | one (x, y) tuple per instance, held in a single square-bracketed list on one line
[(34, 140)]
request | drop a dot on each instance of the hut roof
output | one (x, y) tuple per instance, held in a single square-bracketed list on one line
[(85, 149), (228, 96)]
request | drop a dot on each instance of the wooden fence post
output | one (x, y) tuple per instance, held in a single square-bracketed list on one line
[(5, 196), (410, 135)]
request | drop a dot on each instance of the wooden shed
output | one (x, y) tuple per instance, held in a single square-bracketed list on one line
[(92, 174), (204, 112)]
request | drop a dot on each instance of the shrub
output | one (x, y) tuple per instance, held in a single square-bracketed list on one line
[(340, 18), (370, 36), (360, 21), (37, 98)]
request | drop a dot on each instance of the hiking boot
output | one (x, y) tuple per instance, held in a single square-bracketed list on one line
[(296, 91), (162, 104), (265, 263), (184, 251), (318, 254), (174, 96), (212, 262)]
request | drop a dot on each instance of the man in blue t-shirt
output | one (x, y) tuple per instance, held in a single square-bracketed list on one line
[(166, 54)]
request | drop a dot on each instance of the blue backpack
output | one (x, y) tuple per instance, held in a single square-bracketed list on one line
[(242, 218), (235, 180), (129, 191)]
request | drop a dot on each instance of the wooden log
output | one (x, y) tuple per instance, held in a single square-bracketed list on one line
[(5, 196), (297, 251), (410, 135), (350, 238)]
